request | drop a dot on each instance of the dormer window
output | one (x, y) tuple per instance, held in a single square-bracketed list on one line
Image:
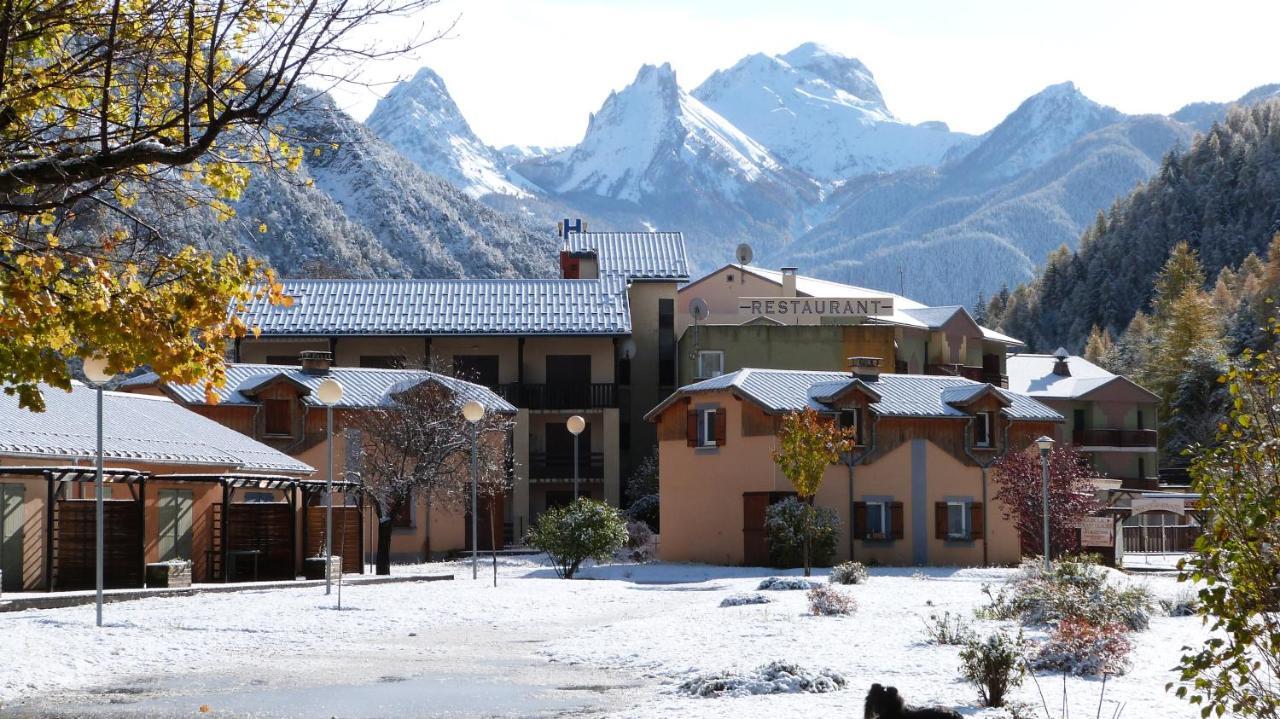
[(982, 427), (851, 419)]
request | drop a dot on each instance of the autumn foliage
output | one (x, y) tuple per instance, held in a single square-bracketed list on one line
[(1017, 478)]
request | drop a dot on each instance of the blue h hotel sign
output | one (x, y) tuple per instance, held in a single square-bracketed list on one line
[(816, 307)]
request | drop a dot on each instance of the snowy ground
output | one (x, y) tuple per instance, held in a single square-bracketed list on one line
[(616, 643)]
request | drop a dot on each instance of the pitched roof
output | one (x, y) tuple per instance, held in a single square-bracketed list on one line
[(1032, 374), (443, 307), (361, 387), (901, 395), (633, 256), (906, 311), (136, 427)]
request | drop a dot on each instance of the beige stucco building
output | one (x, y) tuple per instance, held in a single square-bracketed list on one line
[(598, 342), (915, 491)]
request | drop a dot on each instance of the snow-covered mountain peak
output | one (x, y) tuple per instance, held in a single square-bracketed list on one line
[(821, 113), (420, 119)]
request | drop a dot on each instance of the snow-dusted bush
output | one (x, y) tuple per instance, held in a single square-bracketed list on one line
[(772, 678), (1185, 604), (994, 666), (574, 533), (784, 525), (783, 584), (741, 599), (848, 573), (825, 601), (948, 630), (1079, 647), (640, 545), (1069, 588)]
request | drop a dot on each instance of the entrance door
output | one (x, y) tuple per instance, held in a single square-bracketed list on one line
[(11, 519), (755, 544), (175, 507)]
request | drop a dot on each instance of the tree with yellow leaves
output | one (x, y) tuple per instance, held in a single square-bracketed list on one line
[(808, 443), (103, 102)]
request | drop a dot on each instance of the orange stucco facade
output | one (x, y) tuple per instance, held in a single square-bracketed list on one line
[(702, 489)]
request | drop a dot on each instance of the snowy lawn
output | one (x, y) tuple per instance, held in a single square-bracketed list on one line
[(655, 626)]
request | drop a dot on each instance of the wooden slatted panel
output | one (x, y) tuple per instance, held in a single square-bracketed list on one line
[(346, 536), (265, 527), (75, 537)]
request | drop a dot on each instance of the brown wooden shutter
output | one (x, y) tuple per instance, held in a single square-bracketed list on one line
[(859, 519), (895, 520), (722, 422), (975, 520), (691, 428), (940, 520)]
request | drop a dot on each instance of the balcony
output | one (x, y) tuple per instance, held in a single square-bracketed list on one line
[(956, 370), (560, 466), (1124, 438), (560, 396)]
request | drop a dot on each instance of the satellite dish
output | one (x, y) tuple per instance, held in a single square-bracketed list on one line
[(698, 309), (745, 254)]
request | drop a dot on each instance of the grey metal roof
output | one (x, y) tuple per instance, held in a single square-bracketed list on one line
[(135, 427), (1033, 375), (361, 387), (635, 255), (901, 395), (444, 307)]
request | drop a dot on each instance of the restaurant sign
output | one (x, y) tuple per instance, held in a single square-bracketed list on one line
[(816, 306), (1097, 532)]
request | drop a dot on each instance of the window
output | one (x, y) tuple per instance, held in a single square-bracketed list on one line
[(402, 516), (877, 520), (279, 417), (666, 342), (710, 364), (957, 520), (728, 277), (382, 361), (852, 419), (707, 428), (982, 430), (1141, 421)]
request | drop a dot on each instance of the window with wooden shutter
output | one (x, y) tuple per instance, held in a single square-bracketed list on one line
[(940, 520), (402, 516), (976, 521), (278, 414), (896, 520), (722, 430), (860, 519), (691, 428)]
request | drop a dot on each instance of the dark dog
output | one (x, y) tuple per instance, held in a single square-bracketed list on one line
[(884, 703)]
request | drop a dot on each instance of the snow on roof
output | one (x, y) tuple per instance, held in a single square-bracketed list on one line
[(900, 395), (136, 427), (1032, 374), (361, 387), (442, 307), (635, 256), (906, 311)]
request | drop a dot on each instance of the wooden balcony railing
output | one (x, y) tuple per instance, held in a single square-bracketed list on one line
[(560, 396), (1114, 437), (955, 370), (560, 466)]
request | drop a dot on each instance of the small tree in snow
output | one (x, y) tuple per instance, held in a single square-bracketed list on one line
[(574, 533), (1018, 488), (808, 444)]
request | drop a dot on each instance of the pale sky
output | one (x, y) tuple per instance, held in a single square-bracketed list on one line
[(530, 71)]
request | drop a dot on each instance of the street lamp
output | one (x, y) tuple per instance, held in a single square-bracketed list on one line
[(575, 424), (473, 412), (1045, 444), (329, 391), (95, 370)]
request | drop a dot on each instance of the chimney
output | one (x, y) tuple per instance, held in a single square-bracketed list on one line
[(866, 369), (1060, 367), (316, 361), (788, 281)]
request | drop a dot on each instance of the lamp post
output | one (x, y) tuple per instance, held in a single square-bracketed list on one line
[(1045, 444), (95, 370), (575, 424), (473, 412), (329, 391)]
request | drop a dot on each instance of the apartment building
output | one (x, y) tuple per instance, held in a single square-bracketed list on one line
[(598, 342), (1110, 417), (756, 317), (914, 491)]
